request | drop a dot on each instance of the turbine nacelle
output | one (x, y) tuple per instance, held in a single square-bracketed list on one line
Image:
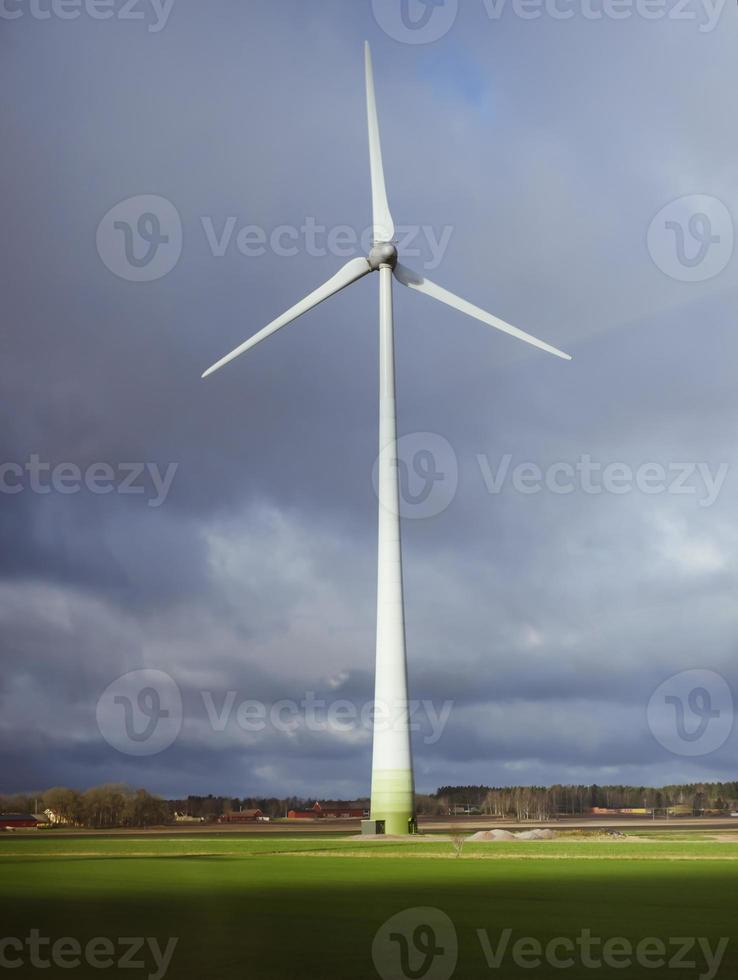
[(383, 253)]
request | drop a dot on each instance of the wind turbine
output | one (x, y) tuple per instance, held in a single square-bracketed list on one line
[(392, 794)]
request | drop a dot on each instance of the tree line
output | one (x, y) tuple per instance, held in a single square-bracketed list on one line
[(211, 807), (110, 805), (118, 805), (544, 802)]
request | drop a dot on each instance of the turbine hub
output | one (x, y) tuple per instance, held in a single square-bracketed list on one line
[(381, 254)]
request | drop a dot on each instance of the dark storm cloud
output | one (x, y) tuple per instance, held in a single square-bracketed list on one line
[(547, 162)]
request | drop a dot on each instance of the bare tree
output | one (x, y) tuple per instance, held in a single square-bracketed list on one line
[(458, 839)]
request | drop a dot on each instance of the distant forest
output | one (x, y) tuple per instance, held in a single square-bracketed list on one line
[(545, 802), (116, 805)]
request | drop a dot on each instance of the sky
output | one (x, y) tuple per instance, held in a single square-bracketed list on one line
[(187, 566)]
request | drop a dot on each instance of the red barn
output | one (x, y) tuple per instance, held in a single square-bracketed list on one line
[(242, 816), (338, 809), (341, 809), (13, 821)]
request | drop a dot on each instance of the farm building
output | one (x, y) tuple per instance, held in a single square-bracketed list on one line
[(14, 821), (620, 811), (339, 809), (243, 816), (56, 819)]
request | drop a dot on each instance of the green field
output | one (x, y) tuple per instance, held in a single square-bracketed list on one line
[(266, 907)]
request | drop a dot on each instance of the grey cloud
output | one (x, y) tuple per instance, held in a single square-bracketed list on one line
[(257, 574)]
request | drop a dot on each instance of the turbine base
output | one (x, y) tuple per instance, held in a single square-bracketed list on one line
[(393, 801)]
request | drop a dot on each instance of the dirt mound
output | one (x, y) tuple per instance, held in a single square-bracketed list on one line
[(491, 835), (487, 836), (536, 835)]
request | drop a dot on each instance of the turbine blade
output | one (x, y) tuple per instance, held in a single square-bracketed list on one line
[(353, 270), (415, 281), (384, 227)]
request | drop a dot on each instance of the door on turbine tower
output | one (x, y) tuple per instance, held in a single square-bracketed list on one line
[(372, 828)]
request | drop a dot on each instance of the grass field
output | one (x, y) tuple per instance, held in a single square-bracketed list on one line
[(307, 908)]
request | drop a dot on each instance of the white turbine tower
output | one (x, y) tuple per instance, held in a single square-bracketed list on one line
[(392, 795)]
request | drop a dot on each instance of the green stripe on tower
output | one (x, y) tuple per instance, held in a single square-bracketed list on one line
[(393, 799)]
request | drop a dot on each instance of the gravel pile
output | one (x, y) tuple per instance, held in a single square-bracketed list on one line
[(491, 835), (494, 835), (536, 835)]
